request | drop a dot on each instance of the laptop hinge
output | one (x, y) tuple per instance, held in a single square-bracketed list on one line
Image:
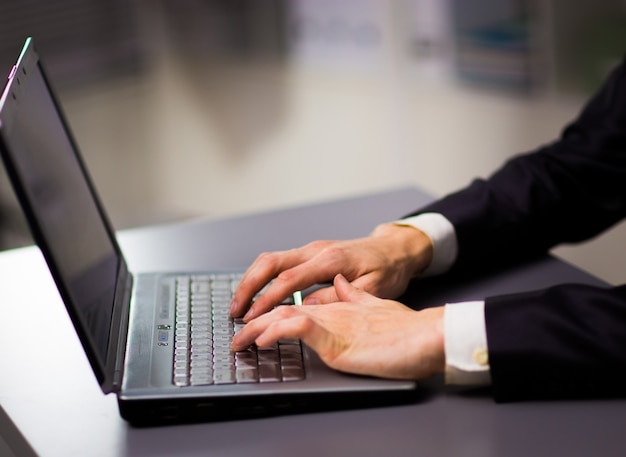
[(118, 373)]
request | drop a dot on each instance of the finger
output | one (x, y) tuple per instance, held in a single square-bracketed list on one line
[(259, 326), (299, 277), (329, 294), (302, 325), (369, 283), (346, 292), (265, 268), (324, 295), (246, 336), (299, 326)]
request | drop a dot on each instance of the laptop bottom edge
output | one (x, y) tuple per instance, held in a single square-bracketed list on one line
[(148, 412)]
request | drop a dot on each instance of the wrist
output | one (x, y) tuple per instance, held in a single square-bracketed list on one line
[(427, 358), (409, 247)]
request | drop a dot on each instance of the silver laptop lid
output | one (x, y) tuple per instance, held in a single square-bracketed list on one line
[(64, 213)]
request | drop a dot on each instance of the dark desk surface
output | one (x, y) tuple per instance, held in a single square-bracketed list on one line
[(50, 393)]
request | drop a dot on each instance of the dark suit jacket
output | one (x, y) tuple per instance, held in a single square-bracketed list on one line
[(570, 340)]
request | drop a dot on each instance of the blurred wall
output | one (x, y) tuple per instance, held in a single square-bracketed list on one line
[(243, 106)]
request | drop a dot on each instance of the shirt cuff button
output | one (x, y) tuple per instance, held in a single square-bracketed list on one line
[(481, 356)]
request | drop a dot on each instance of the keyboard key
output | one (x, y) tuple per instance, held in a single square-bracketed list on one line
[(201, 380), (180, 372), (269, 372), (224, 376), (201, 365), (268, 357), (292, 374), (200, 287), (181, 380), (222, 362), (247, 376), (221, 285)]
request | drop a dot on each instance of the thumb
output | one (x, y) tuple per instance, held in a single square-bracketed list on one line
[(321, 296), (346, 291)]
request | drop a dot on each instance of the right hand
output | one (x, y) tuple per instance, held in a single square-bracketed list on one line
[(381, 264), (358, 334)]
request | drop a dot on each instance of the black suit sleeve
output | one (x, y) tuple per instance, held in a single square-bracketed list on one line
[(570, 340), (566, 191), (567, 341)]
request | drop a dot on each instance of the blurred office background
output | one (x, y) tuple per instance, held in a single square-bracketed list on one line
[(214, 108)]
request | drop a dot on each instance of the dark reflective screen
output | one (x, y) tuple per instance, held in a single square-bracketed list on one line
[(63, 208)]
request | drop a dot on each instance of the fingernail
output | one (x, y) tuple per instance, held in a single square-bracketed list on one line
[(233, 306), (249, 315), (311, 301)]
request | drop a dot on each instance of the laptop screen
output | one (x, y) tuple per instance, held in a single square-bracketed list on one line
[(61, 206)]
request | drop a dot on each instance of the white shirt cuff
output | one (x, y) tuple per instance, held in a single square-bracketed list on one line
[(465, 334), (443, 236), (465, 343)]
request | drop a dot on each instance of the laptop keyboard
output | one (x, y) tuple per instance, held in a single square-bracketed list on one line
[(204, 330)]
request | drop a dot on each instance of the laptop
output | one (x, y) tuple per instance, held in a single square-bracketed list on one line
[(154, 339)]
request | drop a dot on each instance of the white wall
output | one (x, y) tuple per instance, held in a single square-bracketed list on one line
[(219, 139)]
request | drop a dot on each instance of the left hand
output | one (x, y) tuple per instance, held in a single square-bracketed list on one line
[(382, 264), (360, 334)]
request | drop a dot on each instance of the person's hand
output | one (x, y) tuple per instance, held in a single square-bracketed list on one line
[(381, 264), (361, 334)]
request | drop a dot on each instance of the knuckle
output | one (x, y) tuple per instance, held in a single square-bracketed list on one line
[(286, 276), (268, 258), (333, 255), (284, 311), (318, 244), (305, 324)]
